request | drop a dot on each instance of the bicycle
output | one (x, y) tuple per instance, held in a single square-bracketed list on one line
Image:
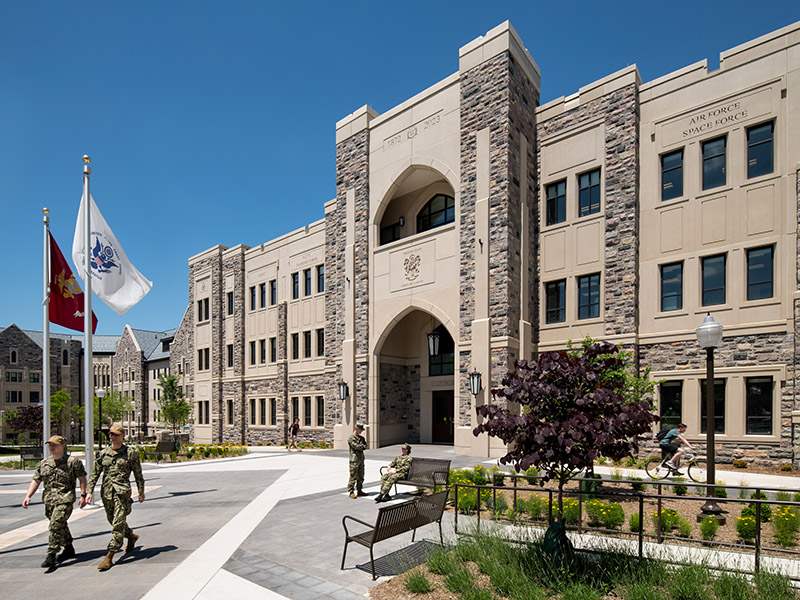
[(656, 467)]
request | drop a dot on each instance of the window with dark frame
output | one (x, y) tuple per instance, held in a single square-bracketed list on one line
[(556, 301), (589, 193), (758, 400), (295, 286), (390, 233), (306, 282), (307, 344), (320, 411), (714, 162), (719, 406), (672, 175), (252, 411), (262, 288), (230, 355), (760, 157), (273, 292), (295, 346), (263, 351), (713, 275), (295, 409), (65, 358), (440, 210), (556, 209), (320, 342), (262, 405), (672, 287), (253, 352), (252, 297), (273, 411), (320, 278), (760, 273), (230, 303), (442, 363), (273, 349), (307, 411), (589, 296), (671, 403), (230, 412)]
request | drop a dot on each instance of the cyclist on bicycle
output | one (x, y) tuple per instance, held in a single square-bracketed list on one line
[(669, 448)]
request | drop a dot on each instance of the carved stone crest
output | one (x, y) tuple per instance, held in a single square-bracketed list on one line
[(411, 265)]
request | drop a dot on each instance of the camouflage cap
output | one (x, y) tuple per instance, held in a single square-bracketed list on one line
[(56, 439), (360, 426), (116, 429), (406, 446)]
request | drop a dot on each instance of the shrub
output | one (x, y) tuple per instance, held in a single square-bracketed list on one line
[(773, 586), (720, 492), (684, 528), (498, 504), (680, 489), (732, 586), (786, 522), (633, 522), (783, 496), (535, 506), (441, 562), (787, 468), (746, 528), (608, 514), (743, 492), (616, 475), (740, 464), (669, 519), (173, 456), (533, 472), (709, 528), (630, 462), (636, 483), (417, 582), (601, 460), (750, 509), (570, 506)]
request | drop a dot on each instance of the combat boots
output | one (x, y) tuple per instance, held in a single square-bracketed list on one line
[(106, 564), (49, 561), (131, 542), (69, 552)]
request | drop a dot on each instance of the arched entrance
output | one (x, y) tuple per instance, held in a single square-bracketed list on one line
[(416, 399)]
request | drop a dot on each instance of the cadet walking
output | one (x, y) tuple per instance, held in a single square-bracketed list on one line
[(357, 445), (398, 469), (116, 463), (59, 472)]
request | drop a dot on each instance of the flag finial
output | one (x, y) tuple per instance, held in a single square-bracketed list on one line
[(86, 159), (46, 211)]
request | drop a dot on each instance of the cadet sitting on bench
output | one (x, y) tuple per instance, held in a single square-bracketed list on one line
[(398, 469)]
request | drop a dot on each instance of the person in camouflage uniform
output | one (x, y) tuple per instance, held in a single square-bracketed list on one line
[(59, 472), (357, 445), (398, 469), (116, 463)]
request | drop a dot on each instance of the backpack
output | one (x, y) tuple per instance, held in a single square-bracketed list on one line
[(661, 434)]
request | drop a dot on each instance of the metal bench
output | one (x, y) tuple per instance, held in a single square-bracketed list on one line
[(30, 453), (425, 472), (164, 447), (395, 519)]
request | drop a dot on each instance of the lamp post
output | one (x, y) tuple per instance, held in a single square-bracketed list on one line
[(100, 393), (709, 336), (139, 430)]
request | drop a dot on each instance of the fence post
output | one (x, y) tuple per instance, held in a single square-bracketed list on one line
[(550, 507), (455, 501), (580, 510), (758, 530), (515, 497), (478, 506), (658, 514), (641, 525)]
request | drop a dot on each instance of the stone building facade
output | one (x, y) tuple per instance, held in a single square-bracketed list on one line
[(625, 211)]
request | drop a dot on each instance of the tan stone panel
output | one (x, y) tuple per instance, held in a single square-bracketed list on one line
[(229, 330), (203, 286), (251, 323), (713, 220), (272, 322), (319, 310), (413, 267), (587, 243), (572, 151), (306, 312), (671, 229), (555, 249), (306, 259), (261, 322), (294, 315), (202, 391), (760, 209), (228, 282), (203, 335)]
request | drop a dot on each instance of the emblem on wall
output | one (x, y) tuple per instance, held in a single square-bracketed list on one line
[(411, 264)]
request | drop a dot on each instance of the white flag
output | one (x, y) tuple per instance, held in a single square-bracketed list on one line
[(114, 279)]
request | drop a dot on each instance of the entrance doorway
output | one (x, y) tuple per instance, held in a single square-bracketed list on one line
[(442, 414)]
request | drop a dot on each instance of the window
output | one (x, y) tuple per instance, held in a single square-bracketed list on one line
[(202, 361), (672, 286), (230, 412), (556, 202), (439, 211), (442, 363), (262, 411), (202, 310), (555, 301), (262, 288), (253, 352), (252, 297), (589, 193), (672, 175), (295, 346), (320, 411), (273, 349), (306, 344), (230, 303), (230, 356), (714, 163), (713, 273), (759, 273), (589, 296), (273, 292), (34, 397), (65, 358), (252, 411), (263, 351), (295, 286), (13, 357), (671, 403), (13, 376), (34, 377), (320, 278), (307, 282), (307, 411), (390, 233), (273, 411), (759, 150), (320, 342), (13, 396), (719, 406), (295, 410), (759, 405)]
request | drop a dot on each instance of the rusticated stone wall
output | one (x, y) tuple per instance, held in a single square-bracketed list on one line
[(400, 397)]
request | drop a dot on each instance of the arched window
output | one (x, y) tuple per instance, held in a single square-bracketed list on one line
[(439, 210), (13, 357), (442, 363), (65, 358)]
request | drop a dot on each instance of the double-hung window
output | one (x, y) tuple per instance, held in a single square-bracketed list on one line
[(671, 403), (713, 274), (759, 149), (759, 273), (589, 296), (672, 286), (556, 210), (672, 175), (758, 398), (555, 301), (714, 162), (589, 193), (295, 286)]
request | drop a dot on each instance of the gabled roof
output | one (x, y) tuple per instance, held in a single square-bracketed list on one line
[(101, 344), (150, 342)]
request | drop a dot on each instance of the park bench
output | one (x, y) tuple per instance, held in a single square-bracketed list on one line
[(425, 472), (396, 519), (30, 453), (164, 447)]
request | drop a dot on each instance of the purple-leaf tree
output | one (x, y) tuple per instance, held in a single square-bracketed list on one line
[(570, 414), (25, 419)]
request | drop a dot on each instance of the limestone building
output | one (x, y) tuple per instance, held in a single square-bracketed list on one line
[(625, 211)]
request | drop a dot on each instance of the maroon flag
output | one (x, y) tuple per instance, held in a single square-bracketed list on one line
[(66, 297)]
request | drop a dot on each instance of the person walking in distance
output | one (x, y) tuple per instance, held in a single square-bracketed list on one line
[(116, 463), (294, 430), (58, 472), (357, 445)]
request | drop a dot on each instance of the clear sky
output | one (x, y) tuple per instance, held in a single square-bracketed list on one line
[(213, 122)]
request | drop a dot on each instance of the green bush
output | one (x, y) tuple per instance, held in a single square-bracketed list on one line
[(441, 562), (535, 506), (633, 522), (416, 581), (786, 522), (608, 514), (498, 504), (533, 472), (783, 496), (669, 519), (746, 528), (636, 483), (750, 509), (740, 464), (709, 528), (684, 528), (679, 489), (787, 468)]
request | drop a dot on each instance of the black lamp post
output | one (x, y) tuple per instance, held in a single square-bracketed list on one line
[(100, 393), (709, 336)]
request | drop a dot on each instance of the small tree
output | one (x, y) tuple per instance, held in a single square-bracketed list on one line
[(58, 408), (175, 409), (572, 412), (25, 419), (115, 407)]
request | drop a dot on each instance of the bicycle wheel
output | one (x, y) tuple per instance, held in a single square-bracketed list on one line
[(655, 469), (697, 470)]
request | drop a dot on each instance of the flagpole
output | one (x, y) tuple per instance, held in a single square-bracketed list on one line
[(87, 321), (46, 335)]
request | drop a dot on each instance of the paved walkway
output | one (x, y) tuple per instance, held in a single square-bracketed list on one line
[(267, 525)]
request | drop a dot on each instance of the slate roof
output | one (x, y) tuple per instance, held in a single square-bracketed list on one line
[(151, 342)]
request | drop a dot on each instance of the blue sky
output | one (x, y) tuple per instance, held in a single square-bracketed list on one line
[(213, 122)]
